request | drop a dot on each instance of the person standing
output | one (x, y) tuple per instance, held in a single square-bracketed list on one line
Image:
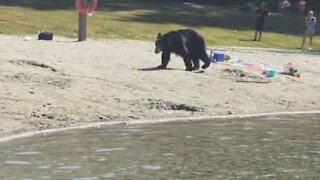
[(261, 13), (311, 22)]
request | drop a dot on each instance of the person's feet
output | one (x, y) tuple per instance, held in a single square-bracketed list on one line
[(310, 48)]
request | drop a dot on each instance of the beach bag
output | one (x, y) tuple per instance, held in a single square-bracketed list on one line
[(44, 35)]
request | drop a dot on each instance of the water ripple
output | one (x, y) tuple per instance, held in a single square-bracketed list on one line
[(15, 162), (27, 153), (152, 167), (109, 149)]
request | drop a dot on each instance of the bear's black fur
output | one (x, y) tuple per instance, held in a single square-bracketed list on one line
[(186, 43)]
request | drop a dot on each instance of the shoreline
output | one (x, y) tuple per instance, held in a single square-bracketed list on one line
[(62, 83), (148, 121)]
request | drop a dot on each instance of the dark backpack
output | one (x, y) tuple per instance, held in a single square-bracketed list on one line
[(44, 35)]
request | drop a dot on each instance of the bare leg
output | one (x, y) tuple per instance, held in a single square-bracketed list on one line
[(260, 33), (310, 42), (303, 40), (255, 35)]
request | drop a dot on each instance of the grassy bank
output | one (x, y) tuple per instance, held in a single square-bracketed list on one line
[(141, 20)]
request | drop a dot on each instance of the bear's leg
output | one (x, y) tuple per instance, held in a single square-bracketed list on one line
[(195, 62), (187, 62), (206, 60), (165, 58)]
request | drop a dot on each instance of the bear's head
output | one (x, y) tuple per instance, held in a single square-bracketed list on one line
[(161, 43)]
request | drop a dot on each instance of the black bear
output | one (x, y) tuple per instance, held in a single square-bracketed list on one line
[(186, 43)]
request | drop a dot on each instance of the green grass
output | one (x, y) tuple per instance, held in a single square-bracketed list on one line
[(138, 20)]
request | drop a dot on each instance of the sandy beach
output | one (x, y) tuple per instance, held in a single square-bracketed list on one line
[(64, 83)]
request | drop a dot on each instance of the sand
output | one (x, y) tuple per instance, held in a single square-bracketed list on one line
[(64, 83)]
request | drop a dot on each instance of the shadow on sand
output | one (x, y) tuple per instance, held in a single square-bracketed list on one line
[(246, 40), (157, 69)]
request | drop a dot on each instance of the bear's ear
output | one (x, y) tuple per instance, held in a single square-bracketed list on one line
[(159, 35)]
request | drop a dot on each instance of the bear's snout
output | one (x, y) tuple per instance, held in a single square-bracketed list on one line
[(157, 50)]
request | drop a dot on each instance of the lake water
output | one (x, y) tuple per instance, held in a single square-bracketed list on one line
[(271, 147)]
